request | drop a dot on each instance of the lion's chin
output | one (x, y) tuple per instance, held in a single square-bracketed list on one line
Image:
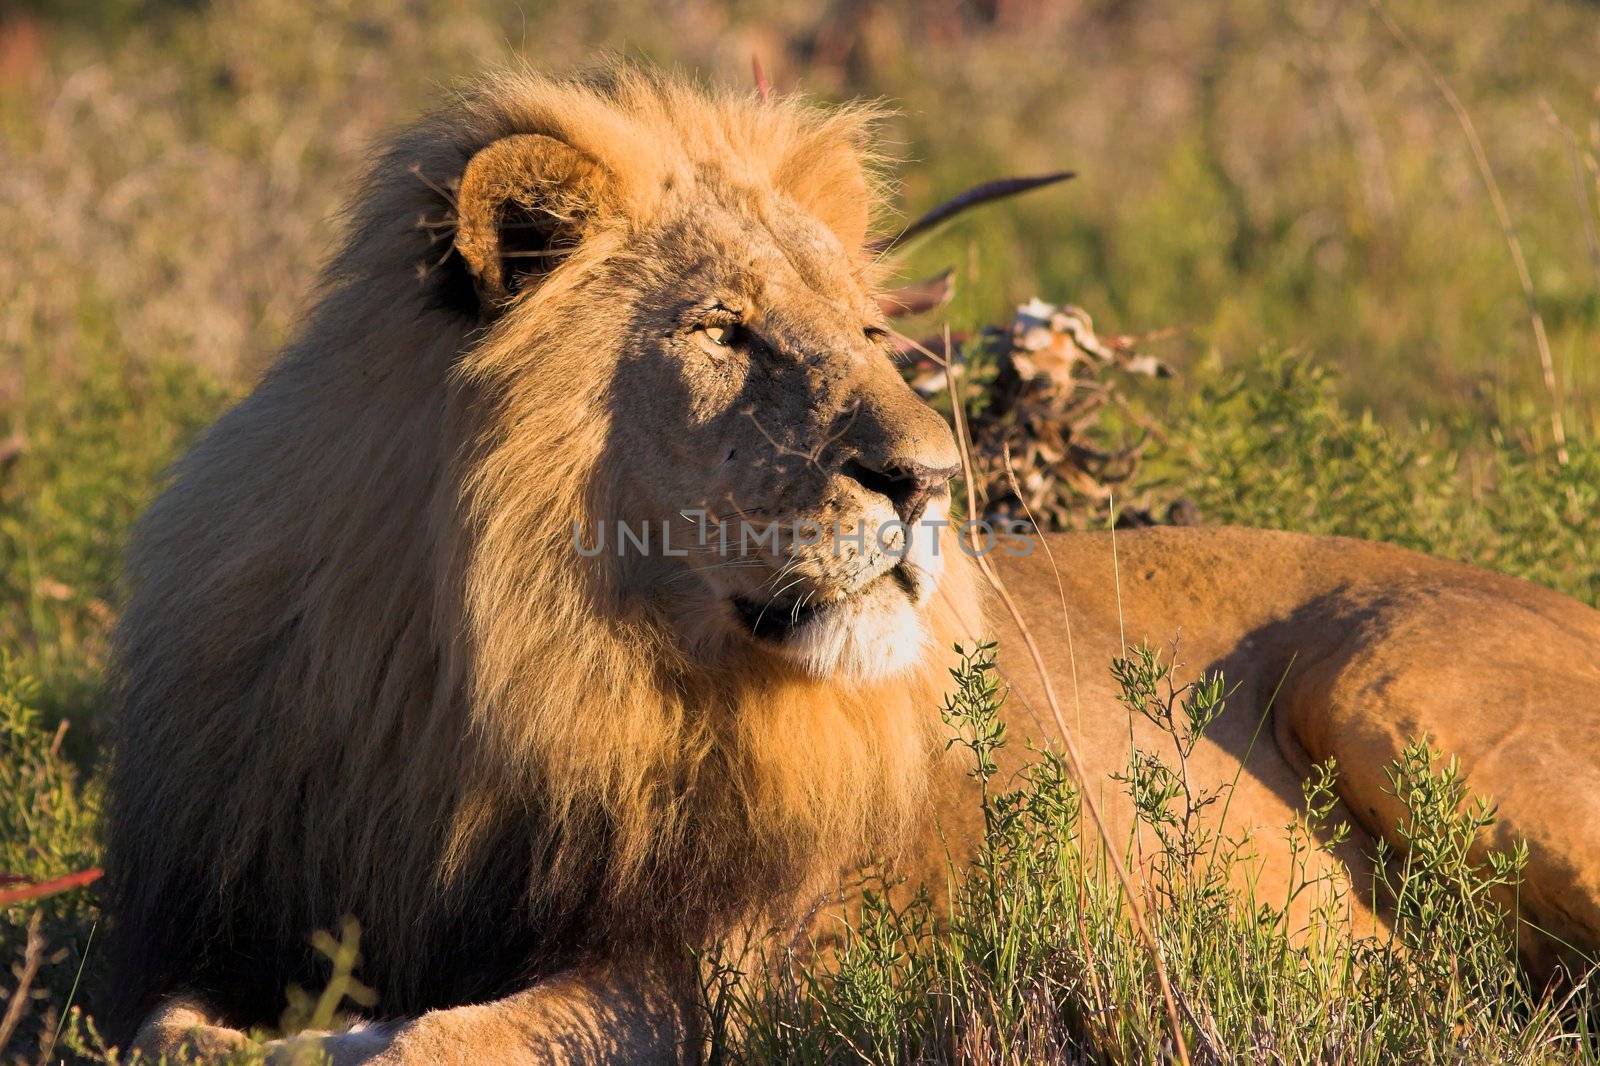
[(872, 636)]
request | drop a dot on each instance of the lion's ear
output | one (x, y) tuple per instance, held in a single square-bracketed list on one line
[(522, 205)]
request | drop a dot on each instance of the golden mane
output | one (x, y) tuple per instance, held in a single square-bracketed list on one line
[(452, 717)]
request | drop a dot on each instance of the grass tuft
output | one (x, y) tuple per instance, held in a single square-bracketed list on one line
[(1038, 962)]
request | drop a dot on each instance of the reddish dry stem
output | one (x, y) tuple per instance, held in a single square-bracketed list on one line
[(41, 889)]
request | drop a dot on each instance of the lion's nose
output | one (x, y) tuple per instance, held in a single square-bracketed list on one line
[(908, 485)]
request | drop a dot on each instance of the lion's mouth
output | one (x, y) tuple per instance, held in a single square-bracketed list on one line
[(777, 621)]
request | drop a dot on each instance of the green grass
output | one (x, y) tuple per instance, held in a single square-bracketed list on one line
[(1259, 173), (1259, 176), (93, 442), (48, 827), (1273, 445), (1038, 960)]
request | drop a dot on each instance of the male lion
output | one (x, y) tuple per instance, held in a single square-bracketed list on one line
[(389, 652)]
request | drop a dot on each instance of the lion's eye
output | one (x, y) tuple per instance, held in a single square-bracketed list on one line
[(721, 336)]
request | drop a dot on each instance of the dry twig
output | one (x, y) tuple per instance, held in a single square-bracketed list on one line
[(1541, 342), (32, 956), (41, 889)]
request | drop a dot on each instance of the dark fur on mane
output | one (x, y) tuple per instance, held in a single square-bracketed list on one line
[(362, 673)]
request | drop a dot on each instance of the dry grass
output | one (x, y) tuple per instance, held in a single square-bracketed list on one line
[(1257, 175), (1260, 172)]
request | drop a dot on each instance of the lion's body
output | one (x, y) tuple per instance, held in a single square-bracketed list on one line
[(367, 670), (1339, 649), (361, 672)]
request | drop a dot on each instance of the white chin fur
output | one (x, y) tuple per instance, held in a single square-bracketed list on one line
[(924, 554), (862, 641), (882, 636)]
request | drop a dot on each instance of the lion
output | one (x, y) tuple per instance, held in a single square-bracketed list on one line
[(581, 584)]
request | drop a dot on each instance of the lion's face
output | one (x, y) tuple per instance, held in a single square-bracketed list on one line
[(775, 486), (760, 420)]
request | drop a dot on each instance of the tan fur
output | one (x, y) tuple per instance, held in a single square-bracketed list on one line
[(366, 670), (1334, 649)]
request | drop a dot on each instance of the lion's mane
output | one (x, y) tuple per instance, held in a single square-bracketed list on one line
[(363, 670)]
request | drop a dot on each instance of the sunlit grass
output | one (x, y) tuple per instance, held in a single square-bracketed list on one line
[(1038, 962), (1281, 176)]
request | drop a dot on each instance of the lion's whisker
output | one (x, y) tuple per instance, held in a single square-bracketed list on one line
[(794, 616)]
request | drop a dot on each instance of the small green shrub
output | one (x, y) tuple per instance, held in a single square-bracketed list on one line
[(48, 828), (1038, 961), (1273, 445)]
